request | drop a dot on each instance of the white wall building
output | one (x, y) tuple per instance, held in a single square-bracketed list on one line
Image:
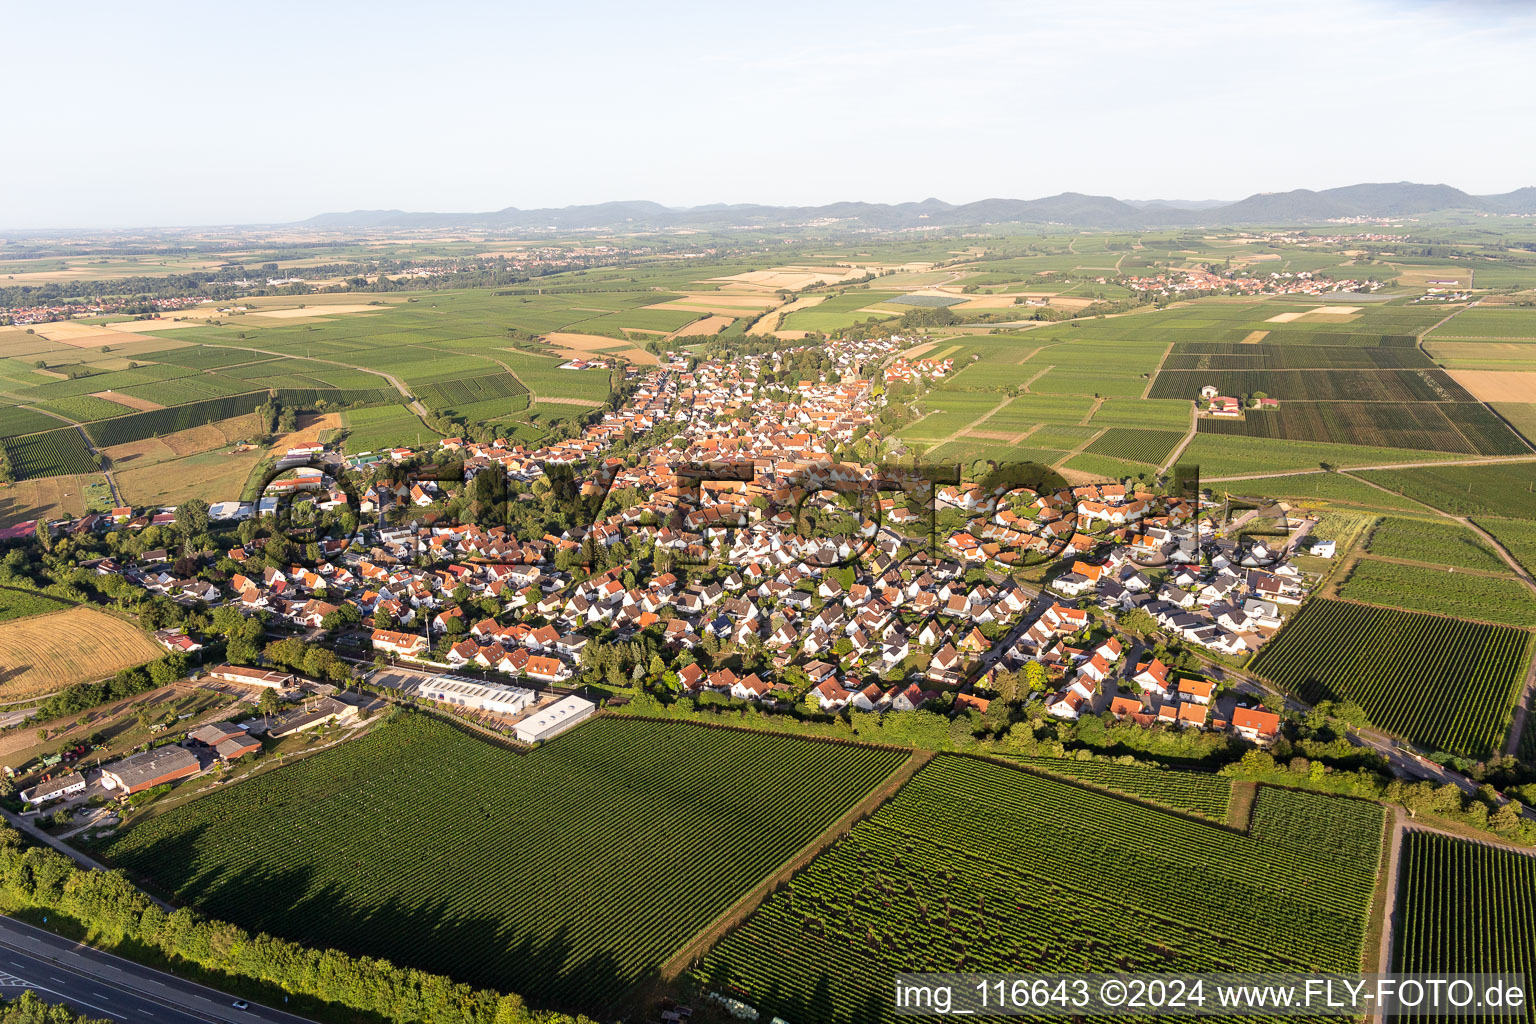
[(553, 720), (471, 693), (64, 785)]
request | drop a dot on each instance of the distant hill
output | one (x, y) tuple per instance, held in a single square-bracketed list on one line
[(1301, 206)]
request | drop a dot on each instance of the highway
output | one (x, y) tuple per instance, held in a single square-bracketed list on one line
[(102, 985)]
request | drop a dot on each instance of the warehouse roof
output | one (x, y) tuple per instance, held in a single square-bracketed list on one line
[(139, 768)]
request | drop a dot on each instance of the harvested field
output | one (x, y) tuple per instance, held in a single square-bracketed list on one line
[(570, 345), (1284, 318), (770, 322), (128, 401), (584, 342), (44, 653), (708, 325), (310, 426), (1497, 385), (71, 331), (792, 278), (131, 326), (52, 497), (136, 454), (212, 476), (1254, 337), (313, 310)]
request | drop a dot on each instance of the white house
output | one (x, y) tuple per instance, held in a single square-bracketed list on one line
[(53, 789)]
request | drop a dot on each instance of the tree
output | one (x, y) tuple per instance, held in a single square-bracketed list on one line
[(44, 535), (268, 703), (192, 518)]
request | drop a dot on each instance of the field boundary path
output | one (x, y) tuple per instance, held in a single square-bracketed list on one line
[(958, 434), (1189, 436), (1146, 392), (1487, 460), (743, 908), (1391, 913)]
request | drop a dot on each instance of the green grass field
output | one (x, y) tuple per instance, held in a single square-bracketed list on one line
[(1498, 599), (385, 426), (1434, 541)]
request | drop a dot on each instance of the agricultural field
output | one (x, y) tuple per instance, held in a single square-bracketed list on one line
[(466, 391), (837, 311), (51, 453), (1432, 426), (15, 420), (1222, 455), (1518, 537), (1505, 491), (1437, 682), (218, 475), (1199, 793), (965, 869), (385, 426), (17, 603), (1435, 541), (542, 376), (1131, 444), (83, 408), (54, 497), (560, 874), (1466, 908), (45, 653), (1311, 489), (1500, 599), (140, 425), (1143, 413), (1489, 323)]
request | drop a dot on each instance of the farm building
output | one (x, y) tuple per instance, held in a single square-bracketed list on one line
[(311, 716), (244, 676), (149, 768), (236, 747), (554, 719), (230, 742), (53, 789), (470, 693)]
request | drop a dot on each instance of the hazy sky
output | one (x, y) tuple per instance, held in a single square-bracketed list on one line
[(191, 113)]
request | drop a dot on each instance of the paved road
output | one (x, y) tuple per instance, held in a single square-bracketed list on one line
[(102, 985)]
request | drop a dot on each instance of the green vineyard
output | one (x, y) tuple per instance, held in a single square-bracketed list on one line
[(1136, 445), (1439, 682), (977, 866), (137, 426), (450, 394), (51, 453), (337, 398), (1466, 908), (567, 875), (1195, 792)]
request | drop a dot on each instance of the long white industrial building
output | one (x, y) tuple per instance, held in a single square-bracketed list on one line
[(555, 719), (471, 693)]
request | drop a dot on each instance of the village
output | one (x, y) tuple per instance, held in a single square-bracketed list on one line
[(716, 583)]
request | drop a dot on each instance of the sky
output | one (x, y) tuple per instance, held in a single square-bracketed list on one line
[(167, 113)]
